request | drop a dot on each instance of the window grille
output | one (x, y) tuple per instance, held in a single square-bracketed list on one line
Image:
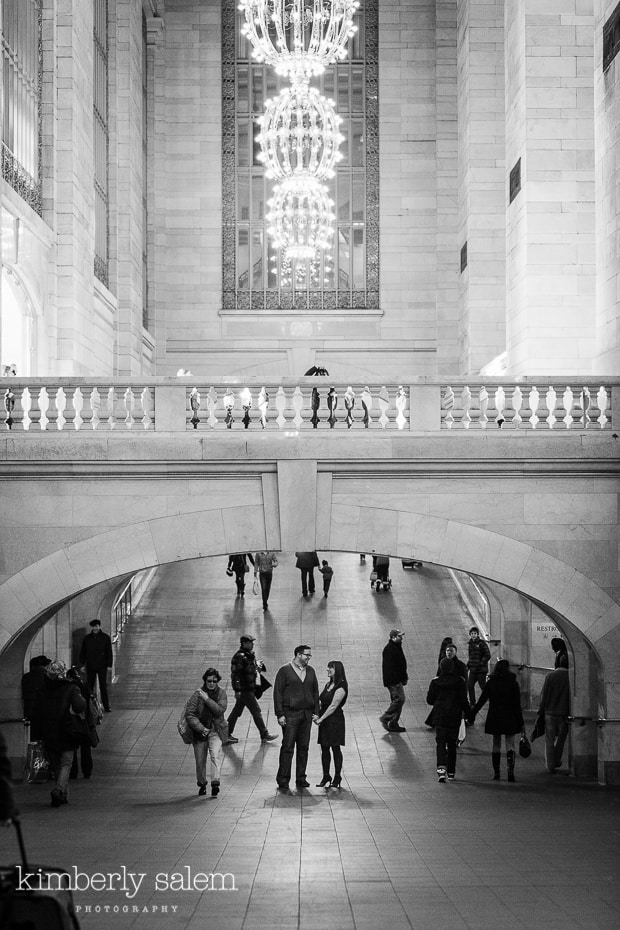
[(22, 79)]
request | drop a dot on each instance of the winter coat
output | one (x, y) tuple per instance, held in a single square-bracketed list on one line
[(265, 561), (307, 560), (394, 665), (504, 717), (555, 694), (243, 669), (51, 707), (459, 667), (204, 712), (479, 655), (239, 562), (448, 695), (96, 652)]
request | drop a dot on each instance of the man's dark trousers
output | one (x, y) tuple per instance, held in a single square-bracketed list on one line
[(295, 737), (92, 674)]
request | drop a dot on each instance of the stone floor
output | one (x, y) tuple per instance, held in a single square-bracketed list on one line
[(392, 849)]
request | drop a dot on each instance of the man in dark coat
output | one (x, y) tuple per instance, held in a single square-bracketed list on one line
[(479, 656), (448, 695), (459, 667), (306, 563), (31, 683), (96, 657), (296, 705), (555, 707), (243, 673), (394, 678)]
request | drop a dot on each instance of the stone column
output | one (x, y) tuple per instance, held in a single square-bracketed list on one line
[(607, 117), (482, 212), (127, 182), (550, 240), (84, 335)]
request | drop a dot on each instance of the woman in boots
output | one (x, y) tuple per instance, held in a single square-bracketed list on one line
[(205, 715), (331, 723), (504, 717)]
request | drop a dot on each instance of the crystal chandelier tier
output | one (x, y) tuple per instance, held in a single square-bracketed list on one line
[(301, 217), (299, 38), (300, 134)]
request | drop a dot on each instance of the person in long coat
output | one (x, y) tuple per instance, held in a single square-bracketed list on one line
[(448, 695), (504, 717)]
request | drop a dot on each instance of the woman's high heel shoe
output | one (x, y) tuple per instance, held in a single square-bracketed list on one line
[(325, 782), (337, 781)]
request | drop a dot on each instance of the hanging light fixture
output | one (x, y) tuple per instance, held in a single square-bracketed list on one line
[(300, 134), (301, 217), (299, 38)]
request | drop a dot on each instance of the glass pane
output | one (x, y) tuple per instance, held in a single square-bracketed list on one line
[(257, 259), (258, 197), (243, 258), (344, 275), (357, 89), (272, 271), (359, 199), (256, 147), (359, 273), (243, 197), (342, 104), (242, 145), (344, 198), (357, 144), (257, 89), (243, 93), (327, 84), (345, 129)]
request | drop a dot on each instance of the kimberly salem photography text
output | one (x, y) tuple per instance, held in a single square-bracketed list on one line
[(123, 882)]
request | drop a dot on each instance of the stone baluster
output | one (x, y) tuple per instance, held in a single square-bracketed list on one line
[(542, 411), (447, 407), (525, 410), (35, 410), (483, 406), (297, 403), (95, 406), (366, 399), (574, 414), (57, 408), (77, 405), (212, 407), (280, 404), (603, 399), (465, 407), (146, 402), (128, 404), (68, 411), (384, 403), (194, 406), (594, 412), (109, 408), (86, 412), (494, 407), (560, 411)]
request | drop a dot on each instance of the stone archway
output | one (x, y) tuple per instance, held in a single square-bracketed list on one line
[(573, 599)]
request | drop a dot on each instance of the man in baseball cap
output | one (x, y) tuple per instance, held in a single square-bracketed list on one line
[(243, 674), (394, 678)]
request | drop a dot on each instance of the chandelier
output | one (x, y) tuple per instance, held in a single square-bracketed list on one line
[(301, 217), (299, 38), (299, 134)]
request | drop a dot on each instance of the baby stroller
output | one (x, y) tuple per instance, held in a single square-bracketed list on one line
[(380, 575)]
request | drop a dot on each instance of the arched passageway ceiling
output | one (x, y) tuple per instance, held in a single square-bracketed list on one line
[(551, 582)]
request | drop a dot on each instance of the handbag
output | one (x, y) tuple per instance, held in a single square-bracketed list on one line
[(262, 685), (229, 572), (462, 733), (74, 729), (539, 727), (37, 766), (525, 750), (256, 587)]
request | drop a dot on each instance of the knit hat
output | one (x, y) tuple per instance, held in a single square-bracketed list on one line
[(446, 666), (56, 669)]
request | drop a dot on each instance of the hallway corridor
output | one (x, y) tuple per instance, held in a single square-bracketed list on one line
[(393, 849)]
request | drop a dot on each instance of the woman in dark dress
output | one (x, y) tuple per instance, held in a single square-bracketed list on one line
[(504, 717), (331, 723)]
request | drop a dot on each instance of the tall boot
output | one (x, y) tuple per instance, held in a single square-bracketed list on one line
[(496, 757), (510, 759)]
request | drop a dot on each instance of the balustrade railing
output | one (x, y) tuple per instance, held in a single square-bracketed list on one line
[(47, 405)]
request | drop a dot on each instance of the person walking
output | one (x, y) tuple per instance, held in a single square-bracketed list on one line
[(264, 563), (85, 749), (560, 649), (331, 723), (504, 717), (306, 563), (96, 657), (394, 668), (328, 573), (555, 708), (479, 656), (448, 695), (56, 700), (205, 707), (244, 671), (296, 705), (238, 566)]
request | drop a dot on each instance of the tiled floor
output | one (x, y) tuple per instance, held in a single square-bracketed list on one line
[(394, 849)]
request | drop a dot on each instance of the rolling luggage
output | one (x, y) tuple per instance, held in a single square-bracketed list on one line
[(35, 897)]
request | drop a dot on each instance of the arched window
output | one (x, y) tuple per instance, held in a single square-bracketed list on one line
[(17, 333), (346, 276)]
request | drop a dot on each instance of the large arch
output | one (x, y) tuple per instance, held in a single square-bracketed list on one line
[(574, 601)]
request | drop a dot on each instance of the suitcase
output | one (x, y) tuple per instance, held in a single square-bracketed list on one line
[(44, 901)]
